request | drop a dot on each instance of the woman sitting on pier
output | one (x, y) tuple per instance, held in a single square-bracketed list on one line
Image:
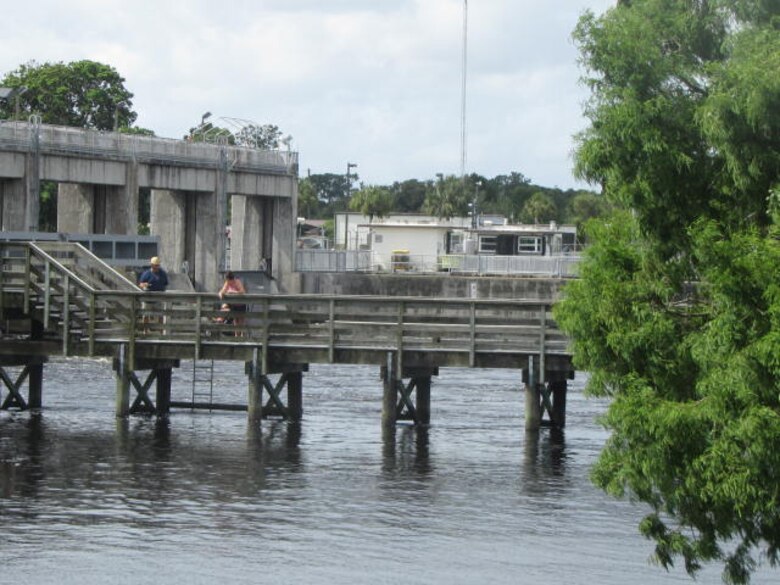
[(234, 286)]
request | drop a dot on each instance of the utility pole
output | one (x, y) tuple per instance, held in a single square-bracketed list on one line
[(463, 94), (346, 198)]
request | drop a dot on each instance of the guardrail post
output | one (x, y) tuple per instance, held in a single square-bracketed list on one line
[(542, 344), (331, 330), (400, 337), (66, 316), (131, 332), (472, 333), (46, 293), (91, 332), (27, 282), (198, 313), (2, 277)]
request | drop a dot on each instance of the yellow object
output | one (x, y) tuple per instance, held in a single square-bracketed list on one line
[(400, 260), (155, 261)]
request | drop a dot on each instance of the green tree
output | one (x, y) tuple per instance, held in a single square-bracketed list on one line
[(585, 206), (372, 201), (307, 198), (540, 208), (409, 195), (447, 199), (684, 137), (263, 137), (331, 190), (85, 93)]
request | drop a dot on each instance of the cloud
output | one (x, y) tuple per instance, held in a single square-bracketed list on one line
[(374, 82)]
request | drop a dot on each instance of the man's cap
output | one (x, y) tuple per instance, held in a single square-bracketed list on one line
[(155, 261)]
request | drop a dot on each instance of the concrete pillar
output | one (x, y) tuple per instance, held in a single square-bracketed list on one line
[(120, 207), (168, 221), (127, 200), (284, 244), (190, 232), (97, 209), (32, 183), (12, 205), (247, 228), (75, 208), (209, 241)]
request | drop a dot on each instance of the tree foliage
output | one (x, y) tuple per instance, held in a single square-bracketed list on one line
[(538, 209), (372, 201), (263, 136), (675, 314), (85, 93)]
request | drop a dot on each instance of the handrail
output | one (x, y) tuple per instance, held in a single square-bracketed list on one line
[(100, 264), (52, 260)]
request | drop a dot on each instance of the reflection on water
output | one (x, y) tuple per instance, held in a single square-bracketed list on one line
[(205, 497)]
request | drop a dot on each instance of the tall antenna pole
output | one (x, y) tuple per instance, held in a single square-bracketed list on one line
[(463, 94)]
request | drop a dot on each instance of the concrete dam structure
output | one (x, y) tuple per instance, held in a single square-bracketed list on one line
[(197, 189)]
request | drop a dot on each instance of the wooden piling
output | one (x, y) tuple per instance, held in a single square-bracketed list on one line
[(163, 388), (295, 395), (254, 403), (559, 388), (423, 399), (35, 385), (533, 400), (122, 373), (389, 391)]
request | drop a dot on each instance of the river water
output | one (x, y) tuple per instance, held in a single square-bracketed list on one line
[(202, 498)]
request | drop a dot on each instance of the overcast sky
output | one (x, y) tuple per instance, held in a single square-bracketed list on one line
[(372, 82)]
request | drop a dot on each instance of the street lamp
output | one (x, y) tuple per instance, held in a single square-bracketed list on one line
[(473, 205), (205, 117), (6, 93), (346, 215), (116, 114), (349, 182)]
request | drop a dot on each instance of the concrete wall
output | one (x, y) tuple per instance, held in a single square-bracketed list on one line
[(100, 174), (247, 227), (444, 286), (189, 235), (12, 204)]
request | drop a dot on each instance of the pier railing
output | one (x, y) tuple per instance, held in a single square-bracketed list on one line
[(85, 315)]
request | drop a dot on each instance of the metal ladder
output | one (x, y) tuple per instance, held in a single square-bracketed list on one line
[(202, 382)]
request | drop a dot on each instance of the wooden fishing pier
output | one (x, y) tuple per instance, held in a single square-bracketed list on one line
[(58, 299)]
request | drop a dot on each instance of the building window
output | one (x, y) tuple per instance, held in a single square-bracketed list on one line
[(528, 245), (487, 244), (455, 243)]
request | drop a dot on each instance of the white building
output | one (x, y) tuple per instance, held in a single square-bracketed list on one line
[(418, 243)]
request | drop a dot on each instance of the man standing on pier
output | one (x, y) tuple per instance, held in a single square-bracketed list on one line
[(154, 278)]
